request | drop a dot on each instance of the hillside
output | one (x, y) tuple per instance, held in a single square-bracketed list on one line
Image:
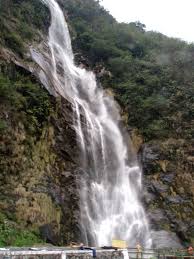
[(151, 77)]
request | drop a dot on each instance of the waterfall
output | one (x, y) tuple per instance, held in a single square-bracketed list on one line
[(110, 188)]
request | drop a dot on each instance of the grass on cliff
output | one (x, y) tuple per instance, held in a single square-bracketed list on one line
[(12, 235)]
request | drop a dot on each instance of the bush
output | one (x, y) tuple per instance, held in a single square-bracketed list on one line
[(3, 125), (11, 235), (27, 98), (26, 31), (14, 42), (156, 129), (120, 65), (102, 50)]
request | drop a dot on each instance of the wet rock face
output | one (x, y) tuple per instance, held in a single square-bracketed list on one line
[(157, 218), (162, 239), (169, 196), (149, 154)]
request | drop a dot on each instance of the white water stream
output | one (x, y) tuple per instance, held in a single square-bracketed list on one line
[(109, 202)]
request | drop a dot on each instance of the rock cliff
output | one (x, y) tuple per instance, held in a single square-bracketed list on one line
[(39, 160)]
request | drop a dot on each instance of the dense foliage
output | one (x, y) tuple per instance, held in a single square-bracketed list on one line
[(20, 22), (12, 235), (152, 75), (25, 99)]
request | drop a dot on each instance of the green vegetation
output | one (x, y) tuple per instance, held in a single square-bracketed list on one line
[(152, 75), (12, 235), (20, 22), (27, 99), (3, 126)]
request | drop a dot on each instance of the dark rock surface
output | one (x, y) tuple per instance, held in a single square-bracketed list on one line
[(165, 239), (169, 196)]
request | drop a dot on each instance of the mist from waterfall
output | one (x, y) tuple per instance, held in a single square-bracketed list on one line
[(111, 183)]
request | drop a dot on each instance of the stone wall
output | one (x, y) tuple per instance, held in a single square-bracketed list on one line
[(64, 255)]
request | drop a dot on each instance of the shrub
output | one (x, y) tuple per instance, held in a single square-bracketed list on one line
[(11, 235), (3, 125), (14, 42)]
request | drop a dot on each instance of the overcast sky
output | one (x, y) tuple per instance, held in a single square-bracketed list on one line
[(173, 18)]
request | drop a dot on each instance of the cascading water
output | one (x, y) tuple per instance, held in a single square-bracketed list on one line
[(109, 203)]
